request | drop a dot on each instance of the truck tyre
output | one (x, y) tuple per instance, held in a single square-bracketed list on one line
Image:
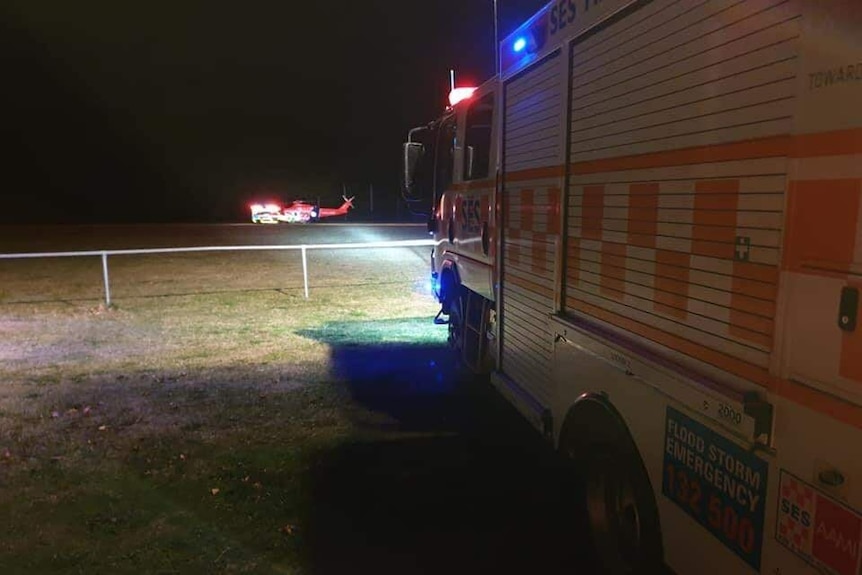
[(457, 310), (617, 497)]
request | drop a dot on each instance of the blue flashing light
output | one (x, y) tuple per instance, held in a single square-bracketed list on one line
[(528, 41), (519, 44), (434, 284)]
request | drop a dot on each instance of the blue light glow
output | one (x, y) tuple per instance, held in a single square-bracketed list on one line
[(519, 44), (434, 284)]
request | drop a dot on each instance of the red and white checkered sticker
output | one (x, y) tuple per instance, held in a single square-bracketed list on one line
[(818, 528)]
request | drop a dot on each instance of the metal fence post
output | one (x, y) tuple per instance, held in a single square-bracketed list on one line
[(105, 276), (305, 271)]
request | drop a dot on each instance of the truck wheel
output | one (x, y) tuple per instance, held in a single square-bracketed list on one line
[(620, 508), (456, 320)]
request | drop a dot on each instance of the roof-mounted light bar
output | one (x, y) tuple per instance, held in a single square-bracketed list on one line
[(524, 44)]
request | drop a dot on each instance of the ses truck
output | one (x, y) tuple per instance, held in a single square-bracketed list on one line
[(649, 230)]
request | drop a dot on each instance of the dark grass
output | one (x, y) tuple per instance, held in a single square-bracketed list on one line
[(393, 462)]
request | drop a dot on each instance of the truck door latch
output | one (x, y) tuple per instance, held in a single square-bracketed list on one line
[(762, 413), (847, 310)]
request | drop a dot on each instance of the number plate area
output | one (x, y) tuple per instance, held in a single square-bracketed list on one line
[(717, 483)]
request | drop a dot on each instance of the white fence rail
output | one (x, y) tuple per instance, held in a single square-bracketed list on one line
[(302, 248)]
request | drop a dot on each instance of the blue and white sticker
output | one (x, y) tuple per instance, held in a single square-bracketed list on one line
[(716, 482)]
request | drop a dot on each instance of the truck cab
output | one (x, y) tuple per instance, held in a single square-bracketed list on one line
[(450, 172)]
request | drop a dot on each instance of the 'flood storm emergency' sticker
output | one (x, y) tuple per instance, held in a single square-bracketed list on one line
[(818, 528), (718, 483)]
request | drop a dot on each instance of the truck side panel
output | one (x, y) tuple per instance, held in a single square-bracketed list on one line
[(713, 215), (667, 243), (533, 141), (712, 244), (822, 263)]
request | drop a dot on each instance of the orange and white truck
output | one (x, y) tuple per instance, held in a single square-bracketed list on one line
[(649, 231)]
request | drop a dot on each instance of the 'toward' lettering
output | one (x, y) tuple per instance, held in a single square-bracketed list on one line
[(833, 76)]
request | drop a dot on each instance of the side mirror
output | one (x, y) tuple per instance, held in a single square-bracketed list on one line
[(413, 152)]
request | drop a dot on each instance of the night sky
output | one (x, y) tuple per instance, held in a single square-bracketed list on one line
[(187, 111)]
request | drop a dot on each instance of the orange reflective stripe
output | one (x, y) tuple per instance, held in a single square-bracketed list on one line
[(760, 148), (714, 230), (752, 305), (672, 271), (723, 251), (759, 272), (837, 143), (613, 269), (724, 187), (821, 402), (840, 142), (643, 214), (534, 174), (592, 212), (819, 230), (752, 309), (755, 289), (756, 323)]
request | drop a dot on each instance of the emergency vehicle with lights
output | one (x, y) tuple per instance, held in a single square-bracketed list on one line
[(648, 230), (297, 211), (265, 213)]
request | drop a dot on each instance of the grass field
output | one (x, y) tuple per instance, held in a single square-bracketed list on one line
[(215, 421)]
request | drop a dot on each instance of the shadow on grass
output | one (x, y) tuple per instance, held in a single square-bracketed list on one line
[(456, 482)]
